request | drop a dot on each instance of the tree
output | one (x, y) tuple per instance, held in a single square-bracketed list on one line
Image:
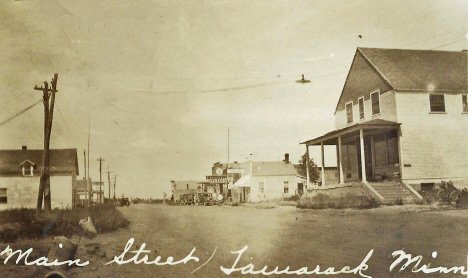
[(313, 170)]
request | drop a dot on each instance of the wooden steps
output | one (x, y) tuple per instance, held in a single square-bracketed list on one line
[(391, 191)]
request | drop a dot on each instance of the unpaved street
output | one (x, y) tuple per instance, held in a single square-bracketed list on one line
[(282, 236)]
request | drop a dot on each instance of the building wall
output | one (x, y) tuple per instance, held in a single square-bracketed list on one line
[(387, 110), (22, 191), (273, 187), (362, 80), (432, 146)]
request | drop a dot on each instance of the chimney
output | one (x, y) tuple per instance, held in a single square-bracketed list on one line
[(24, 148), (286, 158)]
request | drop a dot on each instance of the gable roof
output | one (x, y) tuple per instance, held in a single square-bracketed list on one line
[(404, 70), (61, 161), (407, 69), (273, 168)]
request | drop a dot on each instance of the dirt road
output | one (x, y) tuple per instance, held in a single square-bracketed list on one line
[(282, 236)]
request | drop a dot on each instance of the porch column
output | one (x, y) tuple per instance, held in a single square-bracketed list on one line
[(363, 158), (307, 165), (323, 164), (340, 161)]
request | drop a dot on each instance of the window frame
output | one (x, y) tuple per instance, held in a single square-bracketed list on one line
[(261, 190), (286, 187), (31, 170), (430, 106), (4, 196), (372, 104), (363, 108), (465, 107), (352, 112)]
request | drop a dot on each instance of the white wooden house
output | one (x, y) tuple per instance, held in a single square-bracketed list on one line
[(402, 113), (268, 180), (20, 172)]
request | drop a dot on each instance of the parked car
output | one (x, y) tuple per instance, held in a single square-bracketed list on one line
[(206, 199), (123, 202), (187, 199)]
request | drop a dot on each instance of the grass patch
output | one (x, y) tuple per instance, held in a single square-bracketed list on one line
[(22, 223), (269, 204), (324, 201)]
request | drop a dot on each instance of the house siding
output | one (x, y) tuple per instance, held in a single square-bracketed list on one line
[(273, 187), (22, 191), (362, 80), (435, 145), (387, 110)]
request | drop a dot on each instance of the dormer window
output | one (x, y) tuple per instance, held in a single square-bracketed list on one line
[(27, 167)]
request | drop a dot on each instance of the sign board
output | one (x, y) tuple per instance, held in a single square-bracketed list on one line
[(235, 171), (216, 179)]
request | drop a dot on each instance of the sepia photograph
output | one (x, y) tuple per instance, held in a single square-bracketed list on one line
[(244, 138)]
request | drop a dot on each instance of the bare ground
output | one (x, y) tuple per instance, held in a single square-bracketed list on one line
[(282, 236)]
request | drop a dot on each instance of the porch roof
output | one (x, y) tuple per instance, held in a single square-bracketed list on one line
[(330, 138)]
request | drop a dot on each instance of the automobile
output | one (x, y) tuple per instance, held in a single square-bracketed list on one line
[(136, 200), (188, 199), (206, 199), (123, 202)]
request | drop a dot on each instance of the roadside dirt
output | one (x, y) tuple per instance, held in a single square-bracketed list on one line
[(282, 236)]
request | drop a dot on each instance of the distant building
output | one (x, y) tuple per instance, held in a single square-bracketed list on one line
[(266, 181), (223, 177), (20, 172), (331, 175), (179, 188)]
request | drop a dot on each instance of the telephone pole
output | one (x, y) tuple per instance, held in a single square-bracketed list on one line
[(100, 178), (48, 98), (86, 179), (108, 177), (115, 181)]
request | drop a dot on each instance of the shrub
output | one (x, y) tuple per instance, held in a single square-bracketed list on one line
[(22, 223), (429, 197), (323, 201)]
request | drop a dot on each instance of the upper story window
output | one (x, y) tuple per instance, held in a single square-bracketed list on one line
[(286, 187), (464, 104), (361, 108), (375, 100), (27, 167), (437, 103), (349, 112), (3, 196)]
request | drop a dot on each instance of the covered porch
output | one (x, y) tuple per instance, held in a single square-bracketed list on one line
[(365, 151)]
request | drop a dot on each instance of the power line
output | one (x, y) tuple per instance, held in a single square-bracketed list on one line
[(20, 112)]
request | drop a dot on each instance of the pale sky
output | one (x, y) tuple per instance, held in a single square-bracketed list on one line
[(163, 80)]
